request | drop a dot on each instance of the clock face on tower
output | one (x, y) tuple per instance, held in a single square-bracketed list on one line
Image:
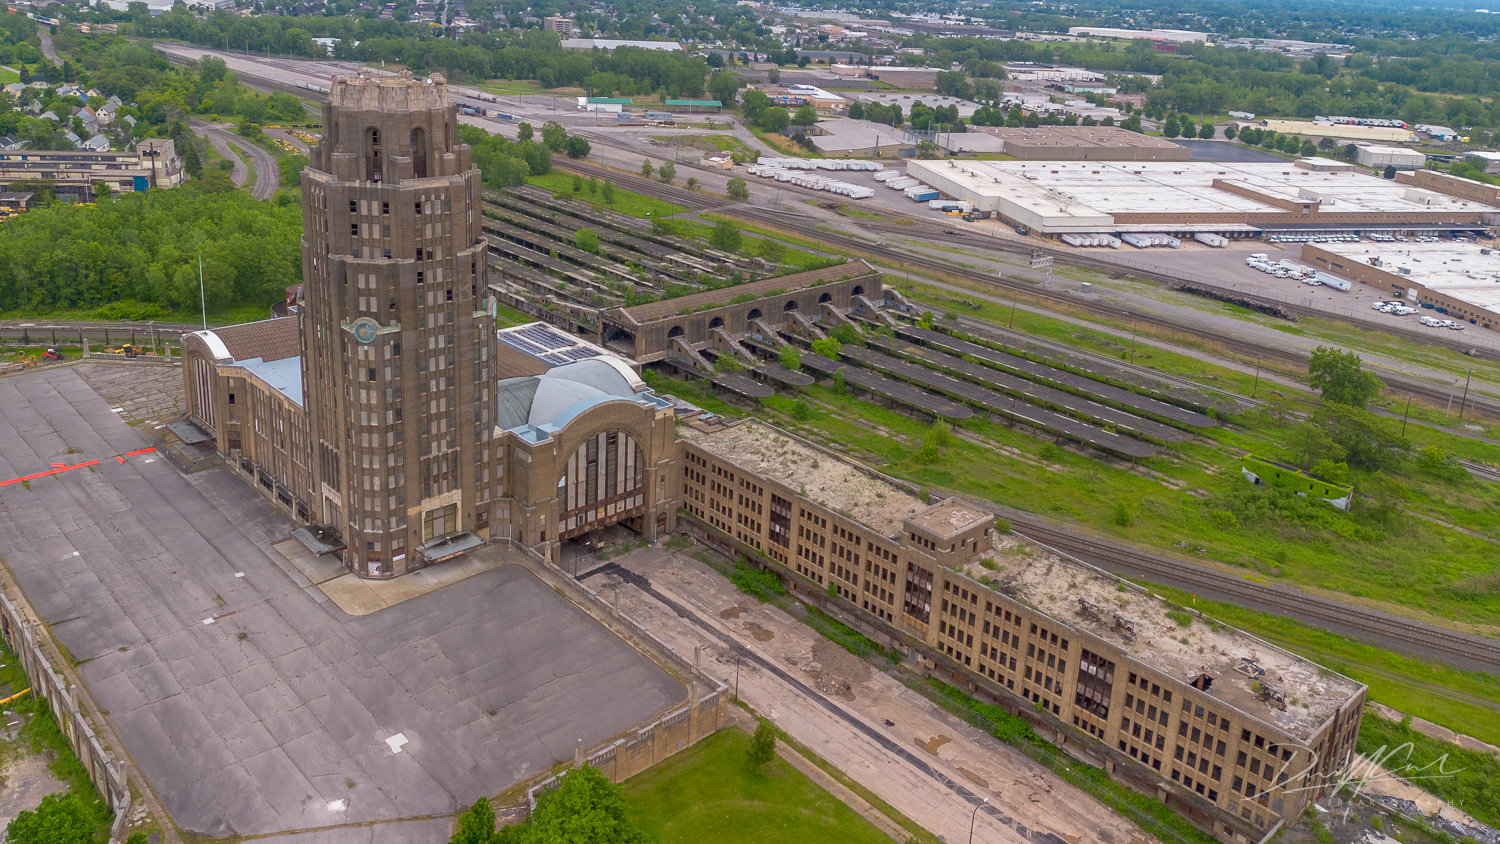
[(365, 329)]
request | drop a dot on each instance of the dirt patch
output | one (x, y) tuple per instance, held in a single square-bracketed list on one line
[(931, 745), (833, 686), (760, 634), (839, 664), (732, 612), (24, 781), (973, 777)]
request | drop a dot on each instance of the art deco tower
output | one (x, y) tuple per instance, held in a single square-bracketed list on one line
[(398, 341)]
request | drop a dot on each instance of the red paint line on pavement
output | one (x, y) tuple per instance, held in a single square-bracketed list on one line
[(49, 472), (62, 467)]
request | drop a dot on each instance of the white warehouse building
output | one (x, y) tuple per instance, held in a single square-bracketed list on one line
[(1371, 155)]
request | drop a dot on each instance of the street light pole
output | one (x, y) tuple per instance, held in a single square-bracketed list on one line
[(984, 802), (202, 300)]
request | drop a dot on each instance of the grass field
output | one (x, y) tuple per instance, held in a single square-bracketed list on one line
[(707, 143), (711, 794), (626, 202), (1409, 566)]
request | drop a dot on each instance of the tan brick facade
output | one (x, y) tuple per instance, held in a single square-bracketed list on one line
[(1205, 750)]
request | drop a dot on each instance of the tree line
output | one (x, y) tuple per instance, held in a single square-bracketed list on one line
[(144, 248)]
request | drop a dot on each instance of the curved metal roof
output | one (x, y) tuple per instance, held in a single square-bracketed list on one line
[(560, 393)]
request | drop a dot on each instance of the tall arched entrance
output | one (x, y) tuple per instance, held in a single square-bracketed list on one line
[(603, 483)]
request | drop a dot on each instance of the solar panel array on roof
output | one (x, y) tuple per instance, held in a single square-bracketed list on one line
[(548, 344)]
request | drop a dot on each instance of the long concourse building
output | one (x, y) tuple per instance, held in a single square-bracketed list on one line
[(1233, 732)]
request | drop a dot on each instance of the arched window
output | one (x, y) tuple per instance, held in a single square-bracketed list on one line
[(825, 298), (791, 305), (751, 317), (419, 152), (374, 167), (674, 331), (859, 290), (602, 482), (716, 322)]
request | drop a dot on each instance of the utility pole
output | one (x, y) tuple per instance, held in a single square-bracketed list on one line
[(1256, 387), (1469, 374), (1405, 414), (202, 300), (1133, 329)]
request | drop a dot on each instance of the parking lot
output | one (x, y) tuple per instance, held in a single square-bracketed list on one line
[(250, 703)]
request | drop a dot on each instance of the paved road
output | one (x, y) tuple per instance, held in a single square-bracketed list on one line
[(47, 49), (240, 172), (888, 738), (264, 720), (267, 170)]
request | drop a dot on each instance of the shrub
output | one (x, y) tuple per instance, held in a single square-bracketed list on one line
[(761, 584)]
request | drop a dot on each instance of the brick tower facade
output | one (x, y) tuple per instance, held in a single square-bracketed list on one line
[(398, 339)]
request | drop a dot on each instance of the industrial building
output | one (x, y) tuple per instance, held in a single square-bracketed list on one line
[(1454, 186), (77, 175), (1232, 199), (966, 108), (842, 137), (1337, 131), (1232, 732), (1083, 143), (1381, 157), (1456, 278), (1171, 36)]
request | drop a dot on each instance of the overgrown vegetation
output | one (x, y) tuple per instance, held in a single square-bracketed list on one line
[(1469, 779), (1014, 730), (761, 584), (135, 248)]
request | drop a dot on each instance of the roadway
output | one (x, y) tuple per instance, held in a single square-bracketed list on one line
[(47, 49), (267, 170)]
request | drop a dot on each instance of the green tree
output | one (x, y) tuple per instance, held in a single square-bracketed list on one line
[(827, 347), (577, 184), (607, 193), (737, 188), (725, 236), (60, 819), (667, 171), (586, 239), (1206, 131), (805, 116), (554, 135), (1341, 378), (774, 119), (1230, 131), (586, 808), (576, 146), (647, 168), (762, 744), (1171, 128), (476, 825), (524, 132), (790, 358)]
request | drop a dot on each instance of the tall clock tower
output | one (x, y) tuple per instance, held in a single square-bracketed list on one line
[(398, 339)]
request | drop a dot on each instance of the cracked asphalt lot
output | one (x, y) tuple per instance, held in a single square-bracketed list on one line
[(260, 721)]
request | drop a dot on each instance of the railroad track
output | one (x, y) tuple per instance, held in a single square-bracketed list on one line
[(1427, 392), (1460, 648), (1324, 612)]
